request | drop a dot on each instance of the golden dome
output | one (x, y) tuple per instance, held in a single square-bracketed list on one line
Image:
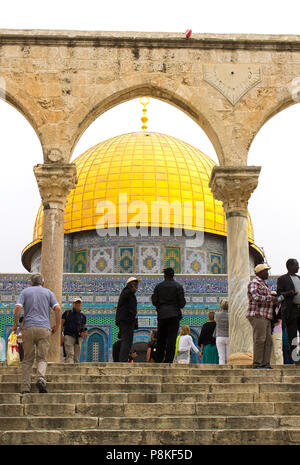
[(146, 166)]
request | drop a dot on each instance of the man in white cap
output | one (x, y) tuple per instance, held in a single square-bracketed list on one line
[(260, 315), (126, 316), (73, 326)]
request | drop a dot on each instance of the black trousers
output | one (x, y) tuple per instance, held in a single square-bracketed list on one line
[(126, 330), (167, 330), (292, 325)]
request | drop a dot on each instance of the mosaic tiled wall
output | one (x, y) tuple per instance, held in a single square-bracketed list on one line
[(86, 252), (100, 293)]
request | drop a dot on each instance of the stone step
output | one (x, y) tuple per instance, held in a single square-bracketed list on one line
[(10, 375), (264, 436), (156, 369), (139, 397), (76, 422), (76, 378), (200, 422), (186, 388), (147, 365), (157, 409), (84, 387), (143, 410), (277, 396)]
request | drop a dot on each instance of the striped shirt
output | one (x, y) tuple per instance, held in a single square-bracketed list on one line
[(260, 299)]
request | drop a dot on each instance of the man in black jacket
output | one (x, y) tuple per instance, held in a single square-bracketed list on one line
[(73, 326), (288, 285), (168, 298), (126, 317)]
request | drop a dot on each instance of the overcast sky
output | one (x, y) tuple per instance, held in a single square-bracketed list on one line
[(273, 206)]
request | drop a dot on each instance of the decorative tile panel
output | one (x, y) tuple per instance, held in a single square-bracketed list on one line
[(80, 261), (102, 260), (216, 263), (195, 261), (172, 258), (126, 260), (149, 259)]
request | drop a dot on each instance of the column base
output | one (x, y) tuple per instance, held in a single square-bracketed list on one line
[(240, 358)]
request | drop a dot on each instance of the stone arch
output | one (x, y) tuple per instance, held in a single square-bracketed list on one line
[(284, 103), (115, 94), (24, 104)]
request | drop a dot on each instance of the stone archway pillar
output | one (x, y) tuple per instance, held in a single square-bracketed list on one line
[(234, 186), (55, 181)]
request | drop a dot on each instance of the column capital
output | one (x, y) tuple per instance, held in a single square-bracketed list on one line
[(233, 185), (55, 181)]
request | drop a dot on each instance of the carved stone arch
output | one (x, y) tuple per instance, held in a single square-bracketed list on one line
[(22, 102), (120, 92), (281, 105)]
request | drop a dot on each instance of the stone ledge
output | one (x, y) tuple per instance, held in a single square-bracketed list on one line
[(151, 39)]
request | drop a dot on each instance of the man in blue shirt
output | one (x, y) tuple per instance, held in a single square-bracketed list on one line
[(36, 301)]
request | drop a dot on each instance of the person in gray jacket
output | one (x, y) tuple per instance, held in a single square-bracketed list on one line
[(222, 332)]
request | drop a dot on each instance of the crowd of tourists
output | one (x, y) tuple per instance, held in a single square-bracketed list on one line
[(273, 316)]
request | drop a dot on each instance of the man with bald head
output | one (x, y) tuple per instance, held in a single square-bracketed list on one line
[(36, 302), (260, 315), (288, 286)]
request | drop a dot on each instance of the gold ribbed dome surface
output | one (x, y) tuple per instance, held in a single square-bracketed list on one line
[(147, 167)]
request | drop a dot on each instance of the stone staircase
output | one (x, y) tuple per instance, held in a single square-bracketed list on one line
[(156, 404)]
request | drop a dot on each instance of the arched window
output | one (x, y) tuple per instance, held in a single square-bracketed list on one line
[(97, 347)]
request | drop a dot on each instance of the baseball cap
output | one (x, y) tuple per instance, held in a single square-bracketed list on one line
[(261, 267), (76, 299), (130, 280)]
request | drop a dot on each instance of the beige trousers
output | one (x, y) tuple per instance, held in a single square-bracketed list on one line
[(36, 344), (277, 355), (72, 350), (262, 340)]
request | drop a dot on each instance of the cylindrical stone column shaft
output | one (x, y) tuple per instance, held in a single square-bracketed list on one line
[(234, 186), (55, 182), (238, 268)]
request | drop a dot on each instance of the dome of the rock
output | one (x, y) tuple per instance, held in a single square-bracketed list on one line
[(139, 169)]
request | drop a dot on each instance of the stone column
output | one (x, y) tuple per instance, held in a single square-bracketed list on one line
[(234, 186), (55, 181)]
